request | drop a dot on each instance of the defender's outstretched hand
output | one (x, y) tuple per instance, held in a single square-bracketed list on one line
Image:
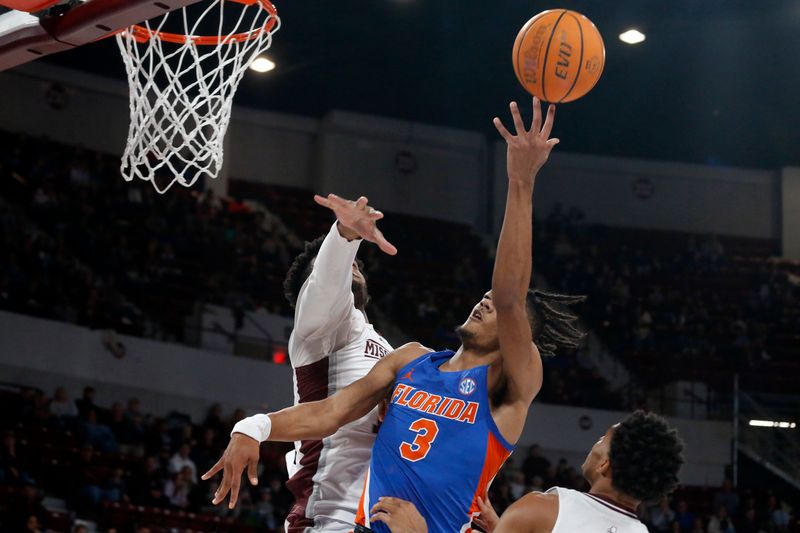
[(528, 150), (359, 217), (399, 515), (242, 452), (488, 518)]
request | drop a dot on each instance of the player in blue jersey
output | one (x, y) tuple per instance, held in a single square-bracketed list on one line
[(453, 418), (635, 461)]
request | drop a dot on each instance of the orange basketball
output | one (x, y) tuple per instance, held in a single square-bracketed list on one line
[(559, 55)]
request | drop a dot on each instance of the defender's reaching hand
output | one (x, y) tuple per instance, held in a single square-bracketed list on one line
[(242, 452), (399, 515), (528, 150), (358, 217)]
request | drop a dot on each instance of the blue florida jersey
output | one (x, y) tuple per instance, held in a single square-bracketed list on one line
[(438, 446)]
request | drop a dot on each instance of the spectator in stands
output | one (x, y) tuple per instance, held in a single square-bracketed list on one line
[(205, 453), (181, 460), (115, 488), (61, 406), (214, 419), (661, 517), (86, 402), (157, 438), (87, 481), (721, 522), (179, 487), (778, 518), (149, 489), (749, 523), (534, 464), (12, 471), (127, 435), (684, 517), (99, 436), (265, 510), (727, 497), (134, 412), (516, 485), (281, 497), (26, 512), (32, 524)]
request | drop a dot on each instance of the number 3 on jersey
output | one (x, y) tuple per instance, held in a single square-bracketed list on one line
[(426, 431)]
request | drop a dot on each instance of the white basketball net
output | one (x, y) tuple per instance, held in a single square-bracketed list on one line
[(181, 93)]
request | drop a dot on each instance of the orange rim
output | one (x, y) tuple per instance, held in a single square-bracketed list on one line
[(142, 34)]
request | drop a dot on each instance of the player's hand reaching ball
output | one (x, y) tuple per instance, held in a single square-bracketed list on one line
[(242, 452), (399, 516), (357, 219), (529, 149)]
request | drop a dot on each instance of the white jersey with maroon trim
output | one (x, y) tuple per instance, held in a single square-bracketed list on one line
[(332, 345), (579, 512)]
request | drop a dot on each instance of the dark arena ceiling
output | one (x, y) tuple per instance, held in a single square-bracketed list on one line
[(715, 82)]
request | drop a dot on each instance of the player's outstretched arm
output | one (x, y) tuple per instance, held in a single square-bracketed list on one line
[(305, 421), (327, 295), (528, 150)]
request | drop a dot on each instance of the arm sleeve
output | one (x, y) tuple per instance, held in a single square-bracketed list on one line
[(326, 298)]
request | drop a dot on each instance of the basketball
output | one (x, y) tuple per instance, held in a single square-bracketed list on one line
[(559, 55)]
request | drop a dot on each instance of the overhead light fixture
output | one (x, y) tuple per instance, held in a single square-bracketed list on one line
[(773, 424), (632, 36), (262, 64)]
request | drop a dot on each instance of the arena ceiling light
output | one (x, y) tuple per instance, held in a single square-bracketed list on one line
[(632, 36), (773, 424), (263, 64)]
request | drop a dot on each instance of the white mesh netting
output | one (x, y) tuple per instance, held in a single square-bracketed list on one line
[(181, 93)]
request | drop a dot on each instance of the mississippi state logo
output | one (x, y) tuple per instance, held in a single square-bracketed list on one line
[(467, 386)]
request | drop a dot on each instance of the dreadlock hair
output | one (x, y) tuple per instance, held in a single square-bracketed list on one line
[(301, 269), (553, 321), (646, 455)]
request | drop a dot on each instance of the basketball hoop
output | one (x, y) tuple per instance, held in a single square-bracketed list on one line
[(182, 87)]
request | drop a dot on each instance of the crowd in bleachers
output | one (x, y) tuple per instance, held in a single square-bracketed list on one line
[(79, 244), (678, 306), (120, 467), (64, 463)]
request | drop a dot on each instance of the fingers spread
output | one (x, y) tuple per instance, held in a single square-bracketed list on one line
[(518, 123), (361, 203), (548, 121), (222, 491), (482, 505), (383, 244), (504, 133), (383, 517), (213, 471), (237, 482), (337, 202), (386, 504), (252, 471), (321, 200), (537, 116)]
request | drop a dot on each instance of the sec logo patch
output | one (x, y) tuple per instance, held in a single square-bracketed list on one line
[(467, 386)]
